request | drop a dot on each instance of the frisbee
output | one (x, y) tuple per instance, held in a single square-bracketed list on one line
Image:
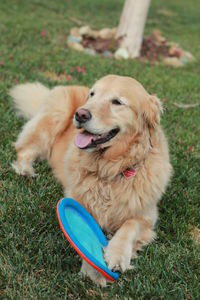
[(84, 234)]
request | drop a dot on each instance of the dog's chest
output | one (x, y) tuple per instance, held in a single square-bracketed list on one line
[(108, 201)]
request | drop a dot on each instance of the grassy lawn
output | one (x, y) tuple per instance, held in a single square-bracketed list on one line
[(36, 261)]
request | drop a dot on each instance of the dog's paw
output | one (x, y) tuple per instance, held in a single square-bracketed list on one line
[(100, 281), (95, 276), (23, 169), (118, 257)]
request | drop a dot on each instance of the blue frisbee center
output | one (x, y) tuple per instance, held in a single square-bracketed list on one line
[(84, 234)]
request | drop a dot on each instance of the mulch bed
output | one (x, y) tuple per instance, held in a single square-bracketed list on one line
[(151, 49)]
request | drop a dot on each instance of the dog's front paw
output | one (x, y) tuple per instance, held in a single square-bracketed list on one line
[(23, 169), (95, 276), (118, 256)]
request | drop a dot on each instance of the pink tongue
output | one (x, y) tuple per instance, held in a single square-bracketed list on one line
[(82, 140)]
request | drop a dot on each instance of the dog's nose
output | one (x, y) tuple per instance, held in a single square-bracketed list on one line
[(82, 115)]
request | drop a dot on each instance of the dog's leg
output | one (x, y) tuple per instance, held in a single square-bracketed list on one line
[(120, 249), (87, 270), (54, 116), (32, 143)]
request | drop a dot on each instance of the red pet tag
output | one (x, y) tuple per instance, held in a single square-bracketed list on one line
[(128, 173)]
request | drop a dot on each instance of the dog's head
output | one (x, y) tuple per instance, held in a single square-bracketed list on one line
[(117, 109)]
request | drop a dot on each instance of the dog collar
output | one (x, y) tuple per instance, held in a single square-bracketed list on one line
[(128, 173)]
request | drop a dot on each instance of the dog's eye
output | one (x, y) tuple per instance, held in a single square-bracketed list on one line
[(116, 102), (92, 94)]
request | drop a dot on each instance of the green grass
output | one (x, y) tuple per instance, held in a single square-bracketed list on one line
[(36, 261)]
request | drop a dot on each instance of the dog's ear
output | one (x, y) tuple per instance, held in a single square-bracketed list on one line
[(151, 109), (78, 94)]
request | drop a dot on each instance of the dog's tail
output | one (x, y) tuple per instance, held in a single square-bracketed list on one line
[(28, 98)]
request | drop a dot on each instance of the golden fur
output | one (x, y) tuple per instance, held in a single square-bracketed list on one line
[(125, 208)]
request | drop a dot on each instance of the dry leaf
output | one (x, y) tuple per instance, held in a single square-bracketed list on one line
[(166, 12), (185, 106), (195, 232), (43, 33), (76, 21), (57, 77), (173, 62), (79, 69)]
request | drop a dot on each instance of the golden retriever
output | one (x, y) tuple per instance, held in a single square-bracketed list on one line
[(107, 148)]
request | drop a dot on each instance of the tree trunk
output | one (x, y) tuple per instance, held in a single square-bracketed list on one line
[(131, 27)]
